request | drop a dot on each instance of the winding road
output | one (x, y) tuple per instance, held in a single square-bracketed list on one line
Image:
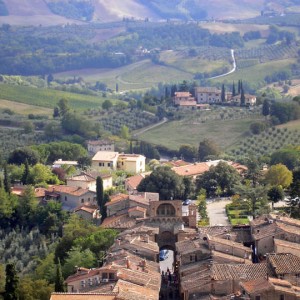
[(233, 69)]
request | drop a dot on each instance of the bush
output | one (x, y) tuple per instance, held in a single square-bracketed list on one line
[(257, 127)]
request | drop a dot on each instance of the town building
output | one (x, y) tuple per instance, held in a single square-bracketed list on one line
[(132, 163), (100, 145)]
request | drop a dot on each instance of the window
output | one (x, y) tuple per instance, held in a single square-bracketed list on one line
[(281, 297), (104, 276), (257, 297), (66, 199), (82, 200), (82, 283), (111, 276), (108, 164), (191, 258)]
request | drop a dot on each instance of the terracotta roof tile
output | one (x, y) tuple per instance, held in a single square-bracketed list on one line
[(230, 243), (287, 244), (239, 271), (284, 263), (257, 285), (87, 208), (134, 181), (105, 156), (71, 190), (191, 170), (118, 222), (83, 296)]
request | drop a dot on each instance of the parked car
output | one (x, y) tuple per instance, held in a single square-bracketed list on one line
[(187, 202), (163, 254)]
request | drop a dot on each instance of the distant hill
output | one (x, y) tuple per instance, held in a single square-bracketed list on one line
[(49, 12)]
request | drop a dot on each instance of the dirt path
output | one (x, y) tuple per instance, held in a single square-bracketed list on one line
[(164, 120), (233, 69)]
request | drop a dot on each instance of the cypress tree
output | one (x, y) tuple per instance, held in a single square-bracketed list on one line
[(223, 97), (26, 174), (266, 108), (239, 86), (243, 100), (233, 90), (6, 180), (59, 280), (11, 283), (103, 208), (99, 192)]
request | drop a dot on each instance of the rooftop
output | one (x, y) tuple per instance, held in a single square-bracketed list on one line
[(105, 156), (284, 263), (71, 190), (243, 272), (100, 142)]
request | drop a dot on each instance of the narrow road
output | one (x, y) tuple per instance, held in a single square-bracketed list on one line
[(216, 212), (164, 120), (233, 69)]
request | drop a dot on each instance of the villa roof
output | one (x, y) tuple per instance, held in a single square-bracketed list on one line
[(83, 296), (71, 190), (183, 94), (191, 170), (87, 208), (207, 90), (118, 222), (105, 156), (134, 181)]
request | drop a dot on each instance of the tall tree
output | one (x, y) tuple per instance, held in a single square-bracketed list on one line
[(256, 196), (279, 175), (275, 194), (26, 174), (99, 192), (233, 90), (59, 280), (223, 95), (11, 283), (243, 98), (7, 185), (266, 108), (63, 105), (163, 181), (206, 148), (239, 87)]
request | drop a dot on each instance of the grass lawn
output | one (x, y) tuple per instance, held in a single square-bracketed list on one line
[(176, 133), (239, 221), (48, 97)]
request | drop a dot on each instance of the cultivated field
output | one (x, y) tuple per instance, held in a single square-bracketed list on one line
[(25, 109), (47, 97), (176, 133), (141, 75)]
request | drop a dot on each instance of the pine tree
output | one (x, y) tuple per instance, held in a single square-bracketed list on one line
[(117, 87), (233, 90), (6, 182), (99, 192), (59, 280), (11, 283), (239, 86), (223, 97)]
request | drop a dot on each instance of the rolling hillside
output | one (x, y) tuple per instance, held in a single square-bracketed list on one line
[(107, 11)]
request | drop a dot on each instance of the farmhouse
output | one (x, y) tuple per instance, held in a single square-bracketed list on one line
[(132, 163), (208, 95), (100, 145)]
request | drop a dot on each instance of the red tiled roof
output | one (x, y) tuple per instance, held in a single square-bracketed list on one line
[(117, 198), (239, 271), (134, 181), (284, 263), (191, 170), (256, 285), (38, 192), (71, 190), (137, 208), (87, 208)]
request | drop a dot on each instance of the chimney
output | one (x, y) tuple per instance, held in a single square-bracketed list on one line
[(127, 263)]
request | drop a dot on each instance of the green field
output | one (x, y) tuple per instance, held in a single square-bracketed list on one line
[(256, 74), (48, 97), (176, 133), (25, 109), (141, 75)]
